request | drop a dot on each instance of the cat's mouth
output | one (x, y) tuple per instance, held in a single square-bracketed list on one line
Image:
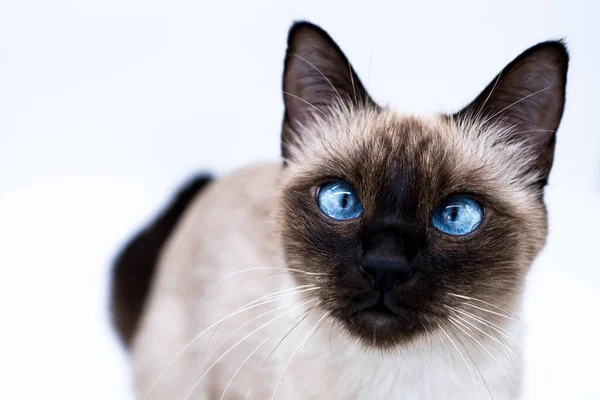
[(379, 310), (381, 322), (376, 305)]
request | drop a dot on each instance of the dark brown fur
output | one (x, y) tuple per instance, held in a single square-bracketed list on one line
[(135, 265), (498, 149), (402, 169)]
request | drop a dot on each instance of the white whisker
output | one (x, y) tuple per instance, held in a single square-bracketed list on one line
[(241, 341), (196, 338), (486, 334), (241, 365), (307, 342), (475, 365), (460, 354), (254, 351), (534, 130), (324, 115), (369, 73), (281, 269), (447, 354), (491, 312), (244, 325), (274, 294), (284, 337), (490, 324), (478, 114), (352, 80), (460, 296), (307, 103), (251, 304), (489, 353), (515, 103), (459, 322), (296, 350), (322, 74)]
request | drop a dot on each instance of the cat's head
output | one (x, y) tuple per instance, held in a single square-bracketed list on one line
[(402, 221)]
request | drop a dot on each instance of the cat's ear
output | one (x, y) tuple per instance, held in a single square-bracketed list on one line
[(528, 94), (317, 76)]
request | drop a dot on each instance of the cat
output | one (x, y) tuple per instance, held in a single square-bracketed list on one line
[(383, 258)]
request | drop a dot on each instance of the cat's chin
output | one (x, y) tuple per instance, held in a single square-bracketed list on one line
[(378, 319), (382, 328)]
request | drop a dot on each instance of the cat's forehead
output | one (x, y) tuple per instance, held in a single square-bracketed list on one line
[(434, 155)]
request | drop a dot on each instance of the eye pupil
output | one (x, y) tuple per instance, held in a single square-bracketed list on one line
[(453, 214), (339, 201), (457, 216), (345, 200)]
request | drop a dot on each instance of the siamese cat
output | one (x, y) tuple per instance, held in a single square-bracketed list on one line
[(383, 258)]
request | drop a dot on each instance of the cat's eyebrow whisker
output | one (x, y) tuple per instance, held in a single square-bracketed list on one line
[(460, 296), (369, 72), (241, 341), (198, 336), (324, 115), (317, 325), (479, 112), (322, 74), (352, 80), (460, 354), (534, 130), (307, 103), (333, 87), (515, 103), (452, 320)]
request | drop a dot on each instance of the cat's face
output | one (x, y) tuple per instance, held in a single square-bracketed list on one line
[(401, 220)]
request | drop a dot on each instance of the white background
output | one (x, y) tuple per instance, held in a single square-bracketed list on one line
[(106, 106)]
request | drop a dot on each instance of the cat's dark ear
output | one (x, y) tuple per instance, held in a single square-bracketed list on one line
[(528, 94), (317, 76)]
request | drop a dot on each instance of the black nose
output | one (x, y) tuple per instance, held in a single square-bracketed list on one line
[(386, 273), (386, 259)]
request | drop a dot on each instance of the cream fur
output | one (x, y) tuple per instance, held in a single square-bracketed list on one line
[(230, 228)]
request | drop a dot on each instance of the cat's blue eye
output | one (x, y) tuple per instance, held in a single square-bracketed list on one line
[(458, 215), (338, 200)]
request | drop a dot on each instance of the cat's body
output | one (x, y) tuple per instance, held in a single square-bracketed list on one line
[(266, 290), (331, 366)]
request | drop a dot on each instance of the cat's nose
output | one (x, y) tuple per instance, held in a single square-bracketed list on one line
[(385, 273), (386, 259)]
